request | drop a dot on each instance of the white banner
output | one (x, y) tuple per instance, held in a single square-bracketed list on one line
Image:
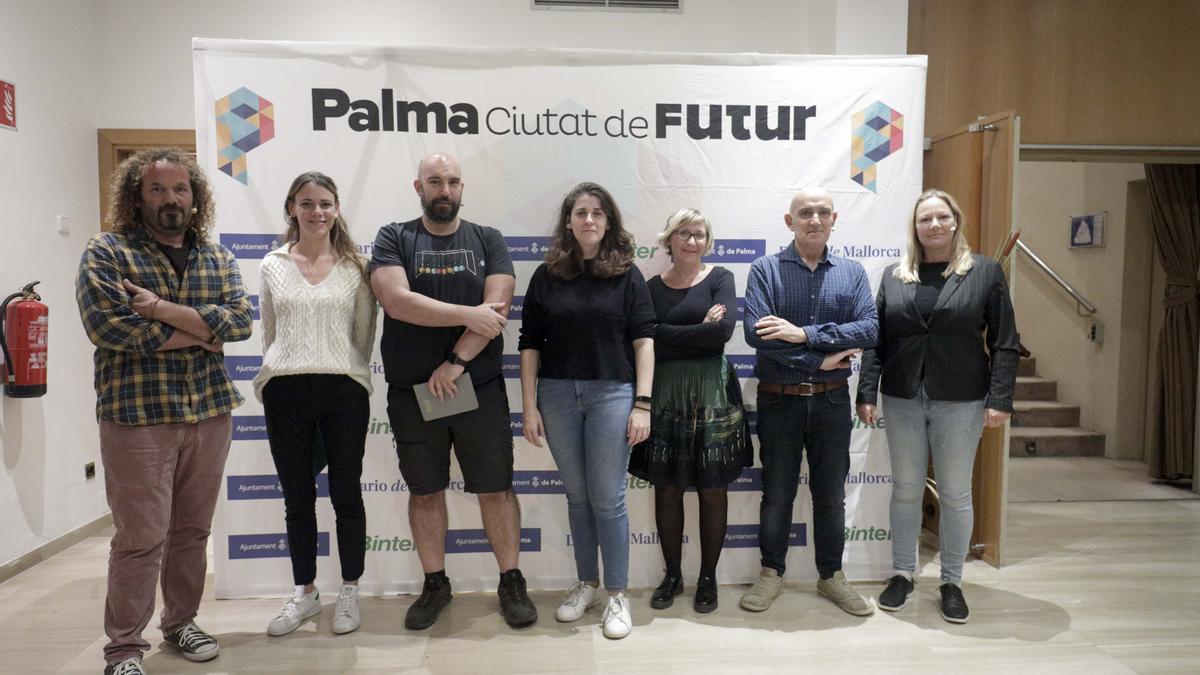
[(731, 135)]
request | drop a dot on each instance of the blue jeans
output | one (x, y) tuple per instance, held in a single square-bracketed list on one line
[(787, 425), (950, 430), (585, 427)]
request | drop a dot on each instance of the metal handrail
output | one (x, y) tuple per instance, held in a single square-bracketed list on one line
[(1080, 301)]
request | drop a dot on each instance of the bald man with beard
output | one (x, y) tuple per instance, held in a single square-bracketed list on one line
[(446, 285)]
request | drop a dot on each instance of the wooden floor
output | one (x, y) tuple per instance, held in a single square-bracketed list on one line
[(1089, 588)]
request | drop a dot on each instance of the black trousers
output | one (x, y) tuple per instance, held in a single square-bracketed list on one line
[(298, 408)]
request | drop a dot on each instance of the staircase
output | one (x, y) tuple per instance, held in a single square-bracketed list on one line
[(1043, 426)]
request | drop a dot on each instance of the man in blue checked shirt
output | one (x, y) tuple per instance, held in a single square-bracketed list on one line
[(158, 299), (807, 313)]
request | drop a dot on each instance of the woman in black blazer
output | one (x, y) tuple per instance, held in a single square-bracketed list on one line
[(947, 353)]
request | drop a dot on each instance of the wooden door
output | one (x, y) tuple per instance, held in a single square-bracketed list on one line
[(976, 163), (116, 145)]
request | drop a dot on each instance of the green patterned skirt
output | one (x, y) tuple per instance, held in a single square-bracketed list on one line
[(699, 435)]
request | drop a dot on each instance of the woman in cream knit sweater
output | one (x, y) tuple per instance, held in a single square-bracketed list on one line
[(318, 330)]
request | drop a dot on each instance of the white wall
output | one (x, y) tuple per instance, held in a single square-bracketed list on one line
[(81, 65), (129, 30), (1088, 375), (48, 168)]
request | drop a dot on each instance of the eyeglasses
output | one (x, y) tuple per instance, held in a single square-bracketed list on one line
[(943, 219), (807, 214), (683, 236)]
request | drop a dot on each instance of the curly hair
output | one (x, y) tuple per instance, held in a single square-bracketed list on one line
[(565, 257), (125, 190)]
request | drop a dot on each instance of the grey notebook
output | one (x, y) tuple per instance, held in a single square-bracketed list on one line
[(463, 401)]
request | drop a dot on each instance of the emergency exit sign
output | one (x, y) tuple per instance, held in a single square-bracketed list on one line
[(8, 105)]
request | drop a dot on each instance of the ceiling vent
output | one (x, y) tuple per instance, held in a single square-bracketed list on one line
[(618, 5)]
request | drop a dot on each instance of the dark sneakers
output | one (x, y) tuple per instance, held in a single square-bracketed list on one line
[(130, 666), (664, 595), (434, 596), (954, 605), (193, 643), (895, 596), (706, 595), (516, 607)]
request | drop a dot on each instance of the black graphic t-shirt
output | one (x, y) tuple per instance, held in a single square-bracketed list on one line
[(450, 268)]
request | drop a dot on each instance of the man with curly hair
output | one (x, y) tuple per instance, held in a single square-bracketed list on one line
[(159, 300)]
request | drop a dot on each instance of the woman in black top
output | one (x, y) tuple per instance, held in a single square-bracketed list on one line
[(699, 436), (938, 309), (587, 363)]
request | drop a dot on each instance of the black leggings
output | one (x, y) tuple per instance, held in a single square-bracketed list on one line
[(668, 516), (297, 407)]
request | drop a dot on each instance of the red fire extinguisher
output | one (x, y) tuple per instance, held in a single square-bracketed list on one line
[(24, 340)]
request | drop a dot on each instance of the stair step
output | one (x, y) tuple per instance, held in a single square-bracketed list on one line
[(1035, 389), (1027, 366), (1044, 414), (1055, 442)]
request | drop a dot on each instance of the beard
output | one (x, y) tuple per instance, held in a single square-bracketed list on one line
[(167, 220), (442, 210)]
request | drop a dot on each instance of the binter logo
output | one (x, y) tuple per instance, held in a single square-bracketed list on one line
[(249, 428), (377, 544), (243, 546), (249, 246), (265, 486), (243, 367), (868, 534), (736, 250), (475, 541), (746, 536), (858, 424), (538, 483)]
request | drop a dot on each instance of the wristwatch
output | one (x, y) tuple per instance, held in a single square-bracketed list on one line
[(456, 360)]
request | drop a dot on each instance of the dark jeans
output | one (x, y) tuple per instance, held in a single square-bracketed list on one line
[(296, 406), (787, 425)]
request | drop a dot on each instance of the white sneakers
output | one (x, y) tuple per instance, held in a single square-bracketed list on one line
[(579, 599), (298, 608), (304, 605), (583, 596), (345, 615), (617, 621)]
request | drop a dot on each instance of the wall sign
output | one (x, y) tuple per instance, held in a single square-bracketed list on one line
[(1087, 231), (8, 105)]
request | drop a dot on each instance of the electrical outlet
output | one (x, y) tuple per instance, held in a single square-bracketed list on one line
[(89, 470), (1095, 332)]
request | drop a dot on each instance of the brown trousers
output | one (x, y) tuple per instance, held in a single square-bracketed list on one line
[(162, 482)]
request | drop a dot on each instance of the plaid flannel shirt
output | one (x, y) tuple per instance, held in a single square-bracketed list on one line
[(134, 383)]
